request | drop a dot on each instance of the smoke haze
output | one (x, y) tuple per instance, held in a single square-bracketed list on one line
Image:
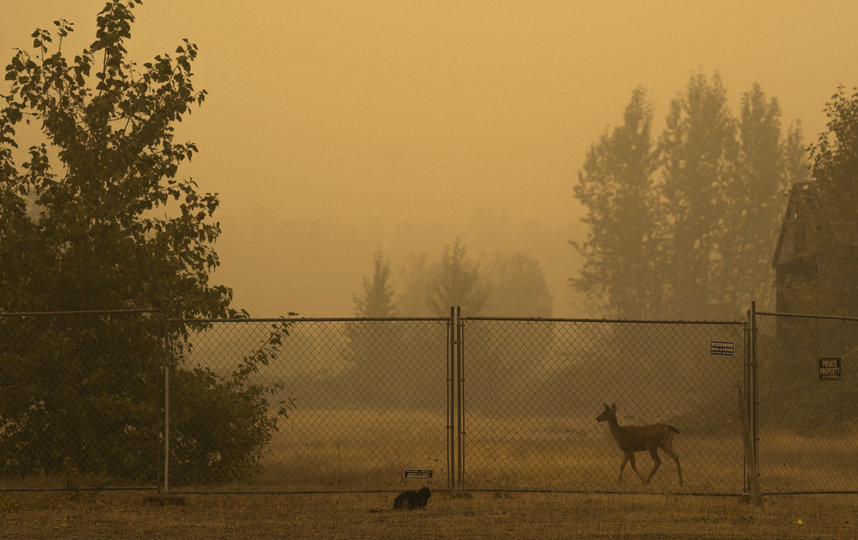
[(333, 129)]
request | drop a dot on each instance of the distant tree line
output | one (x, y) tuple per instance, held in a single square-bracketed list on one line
[(507, 285)]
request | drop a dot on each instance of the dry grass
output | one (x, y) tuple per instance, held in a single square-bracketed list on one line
[(369, 449), (482, 515)]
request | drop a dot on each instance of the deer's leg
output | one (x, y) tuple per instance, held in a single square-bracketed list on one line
[(669, 451), (623, 466), (631, 457), (656, 463)]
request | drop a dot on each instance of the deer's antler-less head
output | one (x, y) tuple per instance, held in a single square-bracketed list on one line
[(608, 413)]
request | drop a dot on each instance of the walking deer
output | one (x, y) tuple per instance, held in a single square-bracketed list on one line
[(633, 439)]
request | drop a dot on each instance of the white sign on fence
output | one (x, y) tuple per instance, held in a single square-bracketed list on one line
[(829, 369), (721, 348), (424, 474)]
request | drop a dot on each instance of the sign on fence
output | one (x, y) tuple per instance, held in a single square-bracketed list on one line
[(721, 348), (829, 369), (424, 474)]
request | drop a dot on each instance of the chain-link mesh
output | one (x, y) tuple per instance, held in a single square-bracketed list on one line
[(533, 389), (342, 404), (362, 401), (808, 421), (80, 399)]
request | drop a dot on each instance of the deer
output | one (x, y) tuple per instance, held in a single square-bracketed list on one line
[(633, 439)]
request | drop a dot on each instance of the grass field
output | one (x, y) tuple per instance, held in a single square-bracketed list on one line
[(478, 515)]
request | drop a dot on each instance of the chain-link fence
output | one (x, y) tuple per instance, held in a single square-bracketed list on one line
[(533, 389), (350, 404), (356, 402), (808, 403), (80, 396)]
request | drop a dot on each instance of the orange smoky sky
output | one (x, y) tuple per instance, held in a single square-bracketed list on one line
[(333, 128)]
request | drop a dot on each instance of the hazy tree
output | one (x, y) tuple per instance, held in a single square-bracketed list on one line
[(830, 223), (834, 159), (415, 276), (111, 227), (707, 210), (615, 186), (377, 298), (457, 283), (518, 287), (796, 167), (698, 155), (754, 203)]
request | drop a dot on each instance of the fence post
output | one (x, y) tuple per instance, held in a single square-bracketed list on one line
[(168, 363), (748, 409), (461, 409), (451, 419)]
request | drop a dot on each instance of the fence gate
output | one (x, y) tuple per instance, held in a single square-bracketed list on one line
[(807, 384), (533, 387)]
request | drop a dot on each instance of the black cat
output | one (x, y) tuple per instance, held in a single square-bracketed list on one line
[(409, 500)]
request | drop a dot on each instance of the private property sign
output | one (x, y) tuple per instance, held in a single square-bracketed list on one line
[(721, 348), (418, 473), (829, 369)]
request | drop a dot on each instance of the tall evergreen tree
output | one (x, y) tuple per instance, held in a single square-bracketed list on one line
[(754, 206), (687, 230), (698, 150), (615, 186), (377, 298), (796, 167), (457, 283)]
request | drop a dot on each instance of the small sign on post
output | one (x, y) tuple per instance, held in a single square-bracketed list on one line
[(423, 474), (721, 348), (829, 369)]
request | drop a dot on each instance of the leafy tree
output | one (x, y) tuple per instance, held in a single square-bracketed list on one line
[(377, 299), (615, 186), (832, 230), (221, 424), (96, 218), (457, 283), (834, 159)]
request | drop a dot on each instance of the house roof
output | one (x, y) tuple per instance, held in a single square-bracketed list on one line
[(799, 219)]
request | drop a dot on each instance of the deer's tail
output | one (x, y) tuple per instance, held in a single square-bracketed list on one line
[(673, 429)]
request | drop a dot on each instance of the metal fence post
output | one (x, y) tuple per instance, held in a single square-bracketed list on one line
[(168, 363), (750, 424), (743, 400), (461, 386), (451, 354), (755, 398)]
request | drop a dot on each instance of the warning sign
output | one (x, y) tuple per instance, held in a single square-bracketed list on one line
[(721, 348), (829, 369)]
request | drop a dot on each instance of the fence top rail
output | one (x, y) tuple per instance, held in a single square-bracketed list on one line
[(808, 316), (312, 319), (78, 312), (623, 321)]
